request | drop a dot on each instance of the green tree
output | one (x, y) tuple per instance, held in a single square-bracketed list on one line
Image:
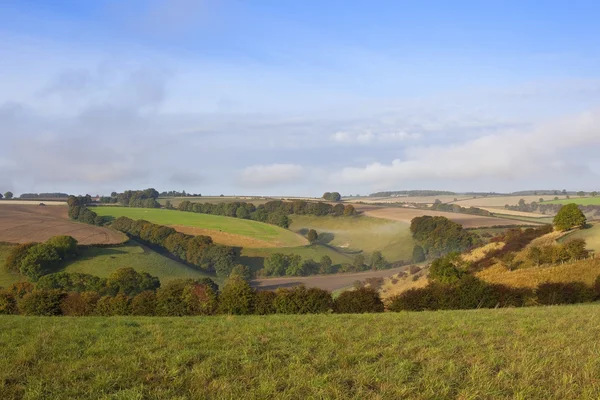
[(144, 304), (378, 261), (41, 302), (359, 262), (358, 301), (325, 265), (445, 269), (569, 217), (241, 271), (129, 282), (237, 297), (312, 236), (40, 260), (581, 193), (66, 246), (8, 195), (16, 255), (594, 194), (418, 255)]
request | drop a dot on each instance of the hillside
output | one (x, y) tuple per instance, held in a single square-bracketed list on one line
[(223, 230), (584, 201), (529, 353)]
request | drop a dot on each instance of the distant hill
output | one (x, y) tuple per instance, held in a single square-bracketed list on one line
[(412, 193)]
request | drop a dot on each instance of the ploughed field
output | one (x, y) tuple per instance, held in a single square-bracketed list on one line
[(405, 214), (34, 223), (224, 230), (524, 353)]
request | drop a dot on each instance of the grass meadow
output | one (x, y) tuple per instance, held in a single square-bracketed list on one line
[(591, 236), (584, 201), (528, 353), (265, 232), (7, 278), (392, 238)]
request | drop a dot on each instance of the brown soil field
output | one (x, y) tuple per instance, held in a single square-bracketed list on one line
[(226, 238), (327, 282), (409, 199), (407, 214), (32, 202), (29, 223)]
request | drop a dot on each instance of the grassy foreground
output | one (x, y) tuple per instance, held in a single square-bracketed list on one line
[(531, 353), (253, 229)]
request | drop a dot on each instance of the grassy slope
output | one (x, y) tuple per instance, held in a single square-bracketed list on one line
[(531, 353), (590, 235), (587, 201), (237, 226), (7, 278), (103, 261), (254, 258), (392, 238)]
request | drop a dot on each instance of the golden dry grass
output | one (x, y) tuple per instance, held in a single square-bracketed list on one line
[(402, 283), (581, 271), (481, 252)]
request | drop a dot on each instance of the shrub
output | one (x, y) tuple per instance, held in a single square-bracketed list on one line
[(200, 299), (16, 255), (445, 270), (378, 261), (418, 255), (144, 304), (79, 304), (65, 246), (72, 282), (113, 305), (237, 297), (39, 260), (169, 298), (41, 302), (129, 282), (414, 269), (358, 301), (312, 236), (20, 289), (325, 265), (300, 300), (264, 302), (563, 293), (8, 303), (241, 271)]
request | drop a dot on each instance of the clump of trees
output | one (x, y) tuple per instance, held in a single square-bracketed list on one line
[(35, 260), (569, 217), (78, 210), (439, 206), (196, 250), (416, 193), (572, 250), (274, 212), (8, 195), (332, 196), (438, 236), (57, 195)]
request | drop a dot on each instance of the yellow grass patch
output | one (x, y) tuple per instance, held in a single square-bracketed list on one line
[(580, 271), (481, 252), (402, 284)]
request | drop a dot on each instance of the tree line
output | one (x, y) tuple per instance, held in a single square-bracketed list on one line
[(43, 196), (134, 198), (199, 251), (78, 210), (274, 212), (416, 193), (126, 292), (439, 206)]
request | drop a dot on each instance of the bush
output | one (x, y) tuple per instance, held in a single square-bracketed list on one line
[(358, 301), (264, 302), (41, 302), (8, 303), (113, 305), (144, 304), (241, 271), (79, 304), (200, 299), (20, 289), (325, 265), (40, 260), (445, 270), (237, 297), (129, 282), (65, 246), (300, 300), (72, 282), (169, 299), (563, 293), (16, 255)]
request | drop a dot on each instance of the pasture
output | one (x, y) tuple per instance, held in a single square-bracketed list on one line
[(33, 223), (501, 201), (256, 200), (359, 233), (591, 236), (103, 261), (524, 353), (224, 230), (7, 278), (584, 201)]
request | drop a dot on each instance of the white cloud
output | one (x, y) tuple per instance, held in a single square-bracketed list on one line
[(368, 137), (509, 155), (271, 175)]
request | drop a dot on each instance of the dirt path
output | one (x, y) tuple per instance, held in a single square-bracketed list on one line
[(328, 282)]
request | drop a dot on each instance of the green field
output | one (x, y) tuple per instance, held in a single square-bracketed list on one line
[(7, 278), (357, 233), (590, 235), (529, 353), (254, 258), (175, 201), (584, 201), (257, 230), (103, 261)]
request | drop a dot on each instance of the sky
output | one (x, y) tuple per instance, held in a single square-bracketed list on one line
[(295, 98)]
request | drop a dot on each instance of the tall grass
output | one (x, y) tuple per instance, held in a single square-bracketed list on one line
[(531, 353)]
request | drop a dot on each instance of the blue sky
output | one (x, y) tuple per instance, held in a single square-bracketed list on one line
[(299, 97)]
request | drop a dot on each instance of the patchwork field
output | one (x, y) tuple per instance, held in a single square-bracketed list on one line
[(501, 201), (33, 223), (584, 201), (392, 238), (527, 353), (220, 228), (406, 215)]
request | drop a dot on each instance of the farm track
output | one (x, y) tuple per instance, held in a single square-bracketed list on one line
[(33, 223)]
